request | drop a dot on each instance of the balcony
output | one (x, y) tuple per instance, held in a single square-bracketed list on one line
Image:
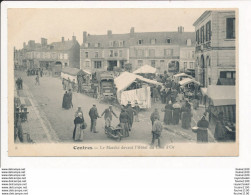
[(203, 46)]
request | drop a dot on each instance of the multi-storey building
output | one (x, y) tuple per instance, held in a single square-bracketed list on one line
[(35, 55), (215, 47), (104, 52), (158, 49)]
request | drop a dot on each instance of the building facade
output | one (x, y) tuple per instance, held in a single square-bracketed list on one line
[(43, 55), (215, 48), (158, 49)]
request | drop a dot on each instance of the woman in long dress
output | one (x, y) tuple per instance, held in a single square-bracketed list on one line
[(78, 132), (168, 113)]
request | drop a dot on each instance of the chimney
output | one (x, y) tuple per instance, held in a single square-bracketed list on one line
[(74, 38), (62, 39), (84, 36), (109, 32), (43, 42), (132, 32), (24, 44), (180, 29)]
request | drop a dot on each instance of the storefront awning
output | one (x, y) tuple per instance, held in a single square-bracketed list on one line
[(146, 69), (222, 95)]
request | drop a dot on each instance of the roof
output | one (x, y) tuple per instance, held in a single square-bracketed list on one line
[(126, 79), (61, 46), (72, 71), (182, 75), (202, 17), (145, 70), (187, 81), (222, 95), (177, 38)]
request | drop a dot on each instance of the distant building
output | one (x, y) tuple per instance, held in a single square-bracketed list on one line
[(104, 52), (158, 49), (215, 48), (43, 55)]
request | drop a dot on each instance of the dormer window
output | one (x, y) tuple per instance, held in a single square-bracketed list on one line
[(168, 41), (121, 43), (86, 44), (153, 41), (140, 42)]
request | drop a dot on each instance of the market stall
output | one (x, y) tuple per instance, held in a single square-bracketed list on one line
[(76, 77), (222, 99), (146, 71), (190, 86), (180, 76), (132, 87)]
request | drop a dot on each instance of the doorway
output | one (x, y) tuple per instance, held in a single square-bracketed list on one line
[(111, 65)]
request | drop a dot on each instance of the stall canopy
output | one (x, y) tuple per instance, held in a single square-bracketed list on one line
[(146, 69), (222, 95), (188, 81), (126, 79), (178, 77), (74, 71)]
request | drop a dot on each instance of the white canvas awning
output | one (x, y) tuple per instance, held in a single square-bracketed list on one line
[(222, 95), (187, 81), (182, 75), (124, 80), (146, 69)]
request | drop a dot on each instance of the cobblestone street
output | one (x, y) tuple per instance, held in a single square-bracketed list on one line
[(48, 122)]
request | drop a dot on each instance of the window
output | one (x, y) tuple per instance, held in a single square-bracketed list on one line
[(153, 41), (191, 65), (208, 31), (227, 74), (140, 52), (168, 40), (121, 43), (230, 28), (115, 53), (87, 64), (197, 37), (111, 53), (66, 56), (86, 44), (96, 54), (192, 54), (97, 64), (140, 62), (185, 65), (120, 53), (110, 43), (140, 42), (202, 34), (86, 55), (168, 52), (209, 81), (153, 63), (162, 63), (151, 52)]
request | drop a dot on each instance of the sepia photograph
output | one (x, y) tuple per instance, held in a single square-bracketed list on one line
[(123, 82)]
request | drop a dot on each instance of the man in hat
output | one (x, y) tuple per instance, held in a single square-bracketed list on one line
[(156, 131), (131, 112), (108, 112), (124, 122), (154, 115), (93, 113)]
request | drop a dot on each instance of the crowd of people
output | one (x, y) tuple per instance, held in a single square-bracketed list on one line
[(35, 71)]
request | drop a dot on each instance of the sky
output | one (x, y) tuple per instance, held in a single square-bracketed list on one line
[(33, 23)]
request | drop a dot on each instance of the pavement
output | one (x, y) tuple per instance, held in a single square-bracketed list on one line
[(48, 122)]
